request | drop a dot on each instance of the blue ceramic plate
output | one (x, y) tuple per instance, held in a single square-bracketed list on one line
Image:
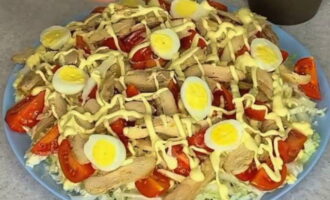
[(20, 142)]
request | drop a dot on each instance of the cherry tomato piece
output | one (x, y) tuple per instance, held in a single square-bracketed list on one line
[(153, 186), (71, 168), (48, 144), (308, 66), (25, 112)]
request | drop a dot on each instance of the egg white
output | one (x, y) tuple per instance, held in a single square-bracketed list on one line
[(213, 145), (197, 114), (271, 46), (59, 36), (120, 151), (67, 87)]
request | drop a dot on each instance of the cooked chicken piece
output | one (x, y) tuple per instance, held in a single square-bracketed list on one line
[(228, 16), (169, 128), (217, 73), (293, 77), (92, 21), (268, 124), (108, 87), (99, 35), (171, 175), (268, 33), (60, 105), (166, 103), (211, 83), (22, 56), (189, 189), (29, 81), (123, 27), (83, 123), (71, 58), (145, 81), (77, 142), (141, 167), (265, 82), (200, 55), (261, 97), (142, 146), (42, 126), (137, 106), (237, 44), (92, 106), (212, 26), (238, 160)]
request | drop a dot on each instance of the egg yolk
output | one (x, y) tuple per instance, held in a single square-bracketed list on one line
[(266, 54), (224, 135), (196, 95), (51, 37), (162, 42), (72, 74), (186, 8), (104, 153)]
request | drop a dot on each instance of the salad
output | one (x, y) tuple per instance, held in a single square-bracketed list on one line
[(179, 100)]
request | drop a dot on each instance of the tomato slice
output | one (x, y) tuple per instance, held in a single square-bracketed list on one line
[(133, 39), (132, 90), (81, 44), (285, 55), (290, 148), (55, 68), (175, 89), (145, 58), (165, 4), (248, 174), (198, 140), (255, 114), (118, 127), (308, 66), (25, 112), (217, 5), (228, 98), (110, 43), (187, 41), (99, 9), (263, 182), (153, 186), (71, 168), (48, 144), (92, 94), (183, 167), (242, 51)]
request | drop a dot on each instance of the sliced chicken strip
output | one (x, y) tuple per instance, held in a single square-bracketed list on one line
[(92, 106), (29, 81), (189, 189), (238, 160), (108, 87), (137, 106), (22, 56), (38, 130), (140, 168), (60, 105), (293, 77), (265, 82), (123, 27), (237, 43), (217, 73), (166, 103), (77, 142), (145, 81)]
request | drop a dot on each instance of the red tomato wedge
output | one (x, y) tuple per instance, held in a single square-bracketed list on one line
[(241, 51), (290, 148), (255, 114), (175, 89), (183, 167), (308, 66), (99, 9), (92, 94), (248, 174), (55, 68), (153, 186), (71, 168), (263, 182), (198, 140), (118, 127), (145, 58), (285, 55), (25, 112), (228, 98), (81, 44), (218, 5), (110, 43), (133, 39), (48, 144), (132, 90), (187, 41)]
